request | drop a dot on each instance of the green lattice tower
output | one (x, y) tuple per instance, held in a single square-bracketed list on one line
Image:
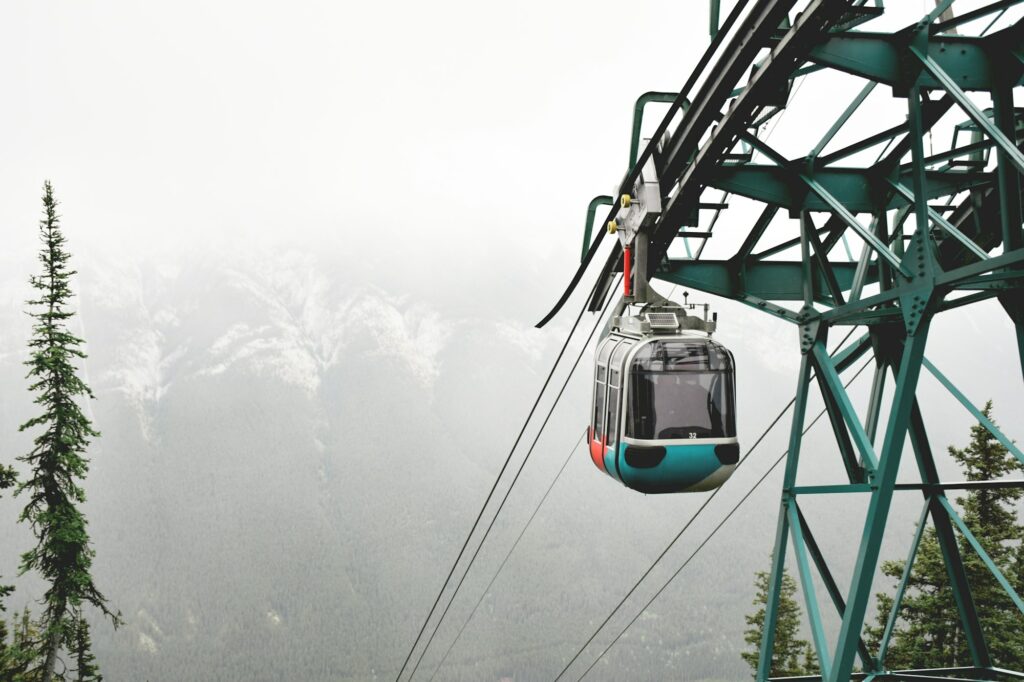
[(939, 231)]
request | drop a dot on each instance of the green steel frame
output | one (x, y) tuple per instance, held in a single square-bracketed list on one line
[(939, 230)]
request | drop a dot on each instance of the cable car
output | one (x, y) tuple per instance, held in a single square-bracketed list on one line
[(663, 417)]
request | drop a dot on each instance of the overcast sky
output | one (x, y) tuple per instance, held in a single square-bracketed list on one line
[(447, 123), (444, 152), (447, 146)]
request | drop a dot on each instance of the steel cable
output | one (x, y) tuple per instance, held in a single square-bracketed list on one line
[(515, 544), (522, 532), (522, 465), (494, 487)]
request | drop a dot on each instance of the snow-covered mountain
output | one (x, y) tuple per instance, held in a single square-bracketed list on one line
[(288, 462), (292, 454)]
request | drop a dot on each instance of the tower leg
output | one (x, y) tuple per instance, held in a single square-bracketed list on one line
[(878, 506), (782, 530)]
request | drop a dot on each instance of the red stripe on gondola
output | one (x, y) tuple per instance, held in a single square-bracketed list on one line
[(597, 454)]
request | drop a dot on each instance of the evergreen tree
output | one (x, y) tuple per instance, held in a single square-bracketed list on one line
[(810, 660), (1016, 576), (57, 463), (86, 669), (929, 634), (790, 655), (7, 480), (991, 516), (17, 657), (4, 635)]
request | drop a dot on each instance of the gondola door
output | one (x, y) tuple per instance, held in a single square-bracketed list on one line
[(607, 413)]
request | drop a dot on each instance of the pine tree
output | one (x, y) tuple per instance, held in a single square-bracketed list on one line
[(991, 516), (929, 634), (1016, 575), (57, 463), (4, 636), (790, 655), (80, 645), (17, 657), (7, 480)]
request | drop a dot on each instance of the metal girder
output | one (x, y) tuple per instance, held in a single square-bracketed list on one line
[(830, 584), (692, 165), (754, 34), (769, 280), (782, 530), (943, 282), (1003, 439), (783, 281), (932, 226), (897, 601), (860, 190), (878, 505), (976, 64), (982, 554), (807, 584)]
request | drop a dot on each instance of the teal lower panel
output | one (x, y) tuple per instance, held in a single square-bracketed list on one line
[(609, 462), (683, 468)]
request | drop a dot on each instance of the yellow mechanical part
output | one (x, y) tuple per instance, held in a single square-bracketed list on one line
[(613, 227), (625, 200)]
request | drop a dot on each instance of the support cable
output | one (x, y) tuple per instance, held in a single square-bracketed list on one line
[(721, 523), (687, 525), (515, 479), (522, 532), (494, 487), (515, 544)]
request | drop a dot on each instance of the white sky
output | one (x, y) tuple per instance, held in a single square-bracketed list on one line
[(450, 141), (441, 124)]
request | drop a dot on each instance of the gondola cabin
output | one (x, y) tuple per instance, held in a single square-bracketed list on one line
[(663, 417)]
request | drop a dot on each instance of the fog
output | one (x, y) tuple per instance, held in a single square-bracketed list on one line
[(313, 239)]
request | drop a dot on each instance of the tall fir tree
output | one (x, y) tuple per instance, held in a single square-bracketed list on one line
[(57, 463), (80, 645), (929, 634), (4, 646), (791, 655), (8, 479), (991, 515)]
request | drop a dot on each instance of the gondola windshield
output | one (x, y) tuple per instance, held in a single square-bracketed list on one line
[(680, 389)]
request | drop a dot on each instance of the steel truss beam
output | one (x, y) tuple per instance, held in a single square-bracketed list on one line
[(975, 64), (946, 253), (938, 231)]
